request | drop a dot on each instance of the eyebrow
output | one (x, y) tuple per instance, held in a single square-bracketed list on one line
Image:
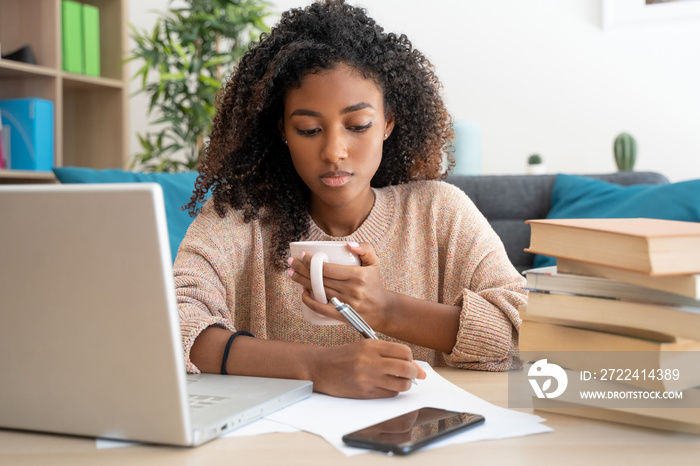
[(346, 110)]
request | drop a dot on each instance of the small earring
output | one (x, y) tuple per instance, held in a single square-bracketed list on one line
[(285, 142), (386, 135)]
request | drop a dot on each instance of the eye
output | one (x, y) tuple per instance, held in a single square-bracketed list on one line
[(360, 128), (308, 132)]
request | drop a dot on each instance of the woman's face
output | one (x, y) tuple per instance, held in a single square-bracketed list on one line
[(335, 126)]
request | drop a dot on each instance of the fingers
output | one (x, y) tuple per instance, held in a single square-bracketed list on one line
[(421, 373), (402, 363), (346, 272), (397, 367), (327, 310), (302, 267), (366, 253), (336, 271), (337, 276), (337, 279), (366, 369), (299, 267)]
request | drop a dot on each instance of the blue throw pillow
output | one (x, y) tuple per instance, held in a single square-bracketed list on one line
[(177, 190), (582, 197)]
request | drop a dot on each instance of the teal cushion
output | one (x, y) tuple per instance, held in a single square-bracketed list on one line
[(582, 197), (177, 190)]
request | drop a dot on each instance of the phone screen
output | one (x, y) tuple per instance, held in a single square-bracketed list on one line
[(408, 432)]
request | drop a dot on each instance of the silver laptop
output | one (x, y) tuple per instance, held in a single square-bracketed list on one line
[(89, 336)]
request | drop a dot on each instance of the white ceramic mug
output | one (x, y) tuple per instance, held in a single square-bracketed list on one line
[(335, 252)]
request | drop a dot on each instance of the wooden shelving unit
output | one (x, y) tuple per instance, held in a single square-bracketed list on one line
[(91, 113)]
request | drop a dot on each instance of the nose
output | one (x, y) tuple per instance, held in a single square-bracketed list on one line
[(335, 146)]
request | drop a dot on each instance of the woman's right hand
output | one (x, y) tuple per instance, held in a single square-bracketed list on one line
[(365, 369)]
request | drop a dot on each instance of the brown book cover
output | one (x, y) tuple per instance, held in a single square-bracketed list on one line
[(598, 326), (650, 246), (641, 319), (683, 409), (590, 350), (652, 419)]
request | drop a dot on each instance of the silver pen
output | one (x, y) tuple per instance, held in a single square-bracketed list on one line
[(356, 321), (354, 318)]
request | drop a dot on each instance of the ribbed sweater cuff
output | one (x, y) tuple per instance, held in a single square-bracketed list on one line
[(485, 334), (191, 328)]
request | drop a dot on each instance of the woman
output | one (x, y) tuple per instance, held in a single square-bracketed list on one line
[(331, 129)]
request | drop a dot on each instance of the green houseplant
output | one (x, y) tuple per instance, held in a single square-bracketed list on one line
[(625, 149), (534, 159), (535, 165), (192, 47)]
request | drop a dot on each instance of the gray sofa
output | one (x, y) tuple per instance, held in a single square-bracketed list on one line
[(508, 200)]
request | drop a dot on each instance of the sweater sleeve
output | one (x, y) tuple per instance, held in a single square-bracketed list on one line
[(202, 296), (480, 279)]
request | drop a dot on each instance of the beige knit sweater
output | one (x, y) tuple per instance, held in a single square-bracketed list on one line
[(432, 244)]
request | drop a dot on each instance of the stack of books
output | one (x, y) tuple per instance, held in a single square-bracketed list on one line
[(619, 313)]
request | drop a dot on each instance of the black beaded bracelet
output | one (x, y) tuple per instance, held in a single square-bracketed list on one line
[(228, 348)]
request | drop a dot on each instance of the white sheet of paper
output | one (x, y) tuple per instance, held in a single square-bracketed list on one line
[(261, 426), (331, 417)]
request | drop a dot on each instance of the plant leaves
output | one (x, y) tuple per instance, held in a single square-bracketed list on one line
[(184, 57)]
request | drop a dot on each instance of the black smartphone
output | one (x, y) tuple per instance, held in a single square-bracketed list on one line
[(406, 433)]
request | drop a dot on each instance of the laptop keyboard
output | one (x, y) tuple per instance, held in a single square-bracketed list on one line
[(204, 401)]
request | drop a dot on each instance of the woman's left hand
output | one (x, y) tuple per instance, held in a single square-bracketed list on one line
[(360, 287)]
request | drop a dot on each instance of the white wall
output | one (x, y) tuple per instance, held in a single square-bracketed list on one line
[(544, 76), (142, 15)]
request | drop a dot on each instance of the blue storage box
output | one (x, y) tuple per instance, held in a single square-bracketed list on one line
[(30, 125)]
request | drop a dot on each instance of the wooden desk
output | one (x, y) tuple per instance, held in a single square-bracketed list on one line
[(574, 441)]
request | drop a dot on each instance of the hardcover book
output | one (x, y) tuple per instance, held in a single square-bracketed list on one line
[(653, 418), (650, 246), (685, 408), (685, 285), (91, 39), (552, 279), (589, 350), (567, 321), (72, 36), (637, 318)]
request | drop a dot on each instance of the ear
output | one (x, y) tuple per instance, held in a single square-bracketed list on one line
[(389, 124)]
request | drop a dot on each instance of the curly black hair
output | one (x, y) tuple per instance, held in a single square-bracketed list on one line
[(247, 166)]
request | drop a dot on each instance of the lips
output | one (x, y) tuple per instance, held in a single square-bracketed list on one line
[(335, 179)]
